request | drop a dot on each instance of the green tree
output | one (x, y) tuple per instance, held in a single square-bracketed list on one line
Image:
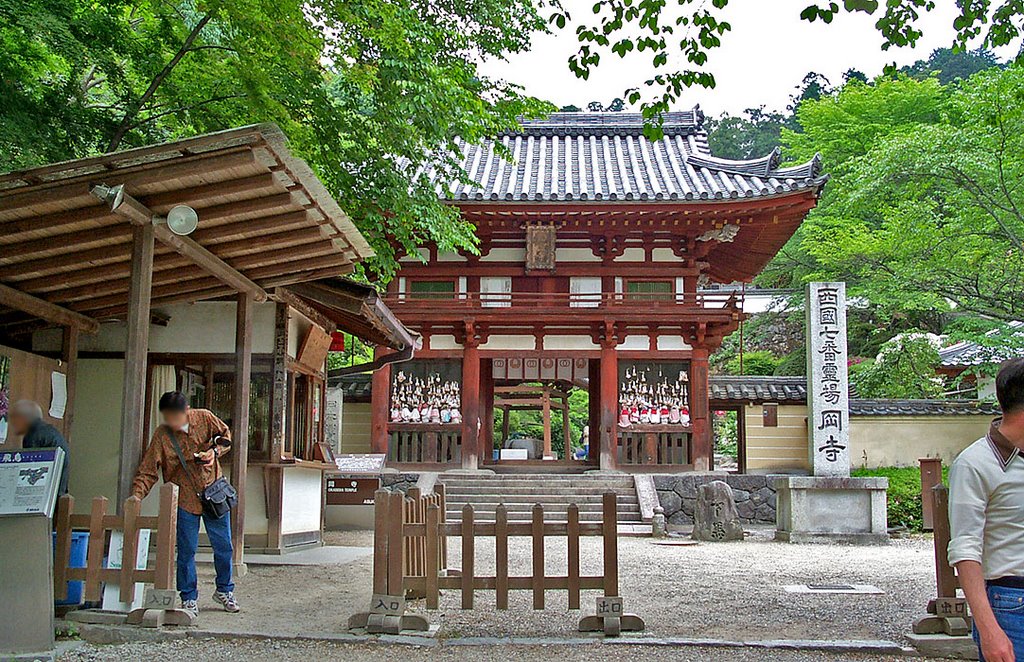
[(949, 65), (752, 134), (904, 368), (754, 363), (371, 92)]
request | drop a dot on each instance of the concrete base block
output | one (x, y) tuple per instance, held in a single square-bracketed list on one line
[(612, 626), (157, 618), (820, 509), (942, 645), (97, 617)]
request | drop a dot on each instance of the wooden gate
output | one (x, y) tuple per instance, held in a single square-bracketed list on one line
[(410, 561)]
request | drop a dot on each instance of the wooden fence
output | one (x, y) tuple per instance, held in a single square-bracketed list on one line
[(947, 613), (97, 523), (410, 558)]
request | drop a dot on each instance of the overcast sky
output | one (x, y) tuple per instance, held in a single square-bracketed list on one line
[(760, 62)]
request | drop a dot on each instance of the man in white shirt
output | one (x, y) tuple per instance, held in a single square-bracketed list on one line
[(986, 516)]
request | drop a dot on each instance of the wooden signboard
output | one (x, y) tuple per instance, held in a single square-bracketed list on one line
[(315, 346), (540, 247), (360, 463), (351, 491)]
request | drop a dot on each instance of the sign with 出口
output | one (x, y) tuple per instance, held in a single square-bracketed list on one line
[(351, 491), (828, 395), (609, 606)]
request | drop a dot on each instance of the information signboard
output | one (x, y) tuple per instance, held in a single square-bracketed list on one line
[(29, 480), (351, 491), (362, 463)]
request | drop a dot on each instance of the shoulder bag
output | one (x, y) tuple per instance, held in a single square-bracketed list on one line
[(218, 498)]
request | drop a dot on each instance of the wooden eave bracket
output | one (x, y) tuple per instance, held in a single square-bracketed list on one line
[(123, 204)]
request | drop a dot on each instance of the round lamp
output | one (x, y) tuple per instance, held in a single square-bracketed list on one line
[(182, 220)]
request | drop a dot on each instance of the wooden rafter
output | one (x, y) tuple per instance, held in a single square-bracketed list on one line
[(45, 310)]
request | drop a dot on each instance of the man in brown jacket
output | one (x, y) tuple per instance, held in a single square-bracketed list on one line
[(202, 439)]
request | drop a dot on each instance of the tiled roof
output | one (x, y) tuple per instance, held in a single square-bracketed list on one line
[(752, 388), (966, 353), (859, 407), (759, 389), (606, 157)]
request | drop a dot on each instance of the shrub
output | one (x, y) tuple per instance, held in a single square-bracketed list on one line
[(761, 362), (904, 498)]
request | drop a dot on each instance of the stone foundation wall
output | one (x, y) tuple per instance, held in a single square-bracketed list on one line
[(398, 481), (754, 495)]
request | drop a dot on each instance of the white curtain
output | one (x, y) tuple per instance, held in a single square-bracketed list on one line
[(164, 380)]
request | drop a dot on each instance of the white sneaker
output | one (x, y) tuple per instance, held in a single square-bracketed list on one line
[(191, 607), (227, 600)]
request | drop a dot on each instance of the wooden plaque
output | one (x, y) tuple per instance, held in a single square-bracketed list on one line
[(315, 346), (540, 247)]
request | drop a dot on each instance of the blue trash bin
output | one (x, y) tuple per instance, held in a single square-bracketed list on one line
[(79, 551)]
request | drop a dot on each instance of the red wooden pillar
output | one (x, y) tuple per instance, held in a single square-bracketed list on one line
[(699, 414), (380, 405), (594, 410), (486, 410), (609, 390), (470, 404)]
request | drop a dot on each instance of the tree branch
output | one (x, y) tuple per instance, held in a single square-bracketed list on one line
[(129, 117)]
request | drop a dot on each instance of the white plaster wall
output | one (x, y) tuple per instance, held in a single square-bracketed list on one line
[(575, 255), (448, 256), (510, 342), (899, 441), (569, 343), (300, 503), (505, 255), (635, 343), (634, 254), (206, 327), (662, 254), (666, 343), (443, 341), (355, 427)]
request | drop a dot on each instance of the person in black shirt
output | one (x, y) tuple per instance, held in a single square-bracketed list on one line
[(27, 420)]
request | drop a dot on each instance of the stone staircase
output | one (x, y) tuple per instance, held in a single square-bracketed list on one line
[(519, 492)]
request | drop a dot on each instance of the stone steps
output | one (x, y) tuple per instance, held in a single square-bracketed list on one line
[(555, 492)]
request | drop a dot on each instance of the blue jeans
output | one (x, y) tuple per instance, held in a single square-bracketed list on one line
[(219, 531), (1008, 605)]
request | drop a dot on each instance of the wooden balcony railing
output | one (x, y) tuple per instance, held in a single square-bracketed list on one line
[(538, 300)]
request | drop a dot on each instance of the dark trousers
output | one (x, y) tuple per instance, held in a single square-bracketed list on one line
[(219, 531)]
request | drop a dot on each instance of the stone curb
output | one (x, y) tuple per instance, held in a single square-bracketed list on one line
[(117, 634)]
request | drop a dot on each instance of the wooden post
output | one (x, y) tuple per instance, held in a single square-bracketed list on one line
[(279, 393), (62, 553), (486, 410), (699, 410), (69, 354), (945, 578), (166, 536), (94, 556), (610, 533), (130, 547), (240, 424), (381, 505), (433, 550), (538, 556), (504, 426), (133, 400), (566, 430), (608, 431), (573, 546), (931, 475), (594, 412), (546, 417), (501, 556), (467, 556), (396, 506), (470, 404), (380, 396)]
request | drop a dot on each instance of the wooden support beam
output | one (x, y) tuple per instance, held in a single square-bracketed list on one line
[(123, 204), (69, 354), (608, 431), (133, 401), (699, 410), (470, 404), (240, 423), (45, 310), (380, 407)]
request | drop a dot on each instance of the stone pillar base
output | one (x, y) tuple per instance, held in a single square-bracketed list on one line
[(820, 509)]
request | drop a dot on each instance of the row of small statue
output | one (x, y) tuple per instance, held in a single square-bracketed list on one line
[(648, 414)]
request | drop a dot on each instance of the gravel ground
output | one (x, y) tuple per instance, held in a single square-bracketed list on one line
[(199, 651), (728, 591)]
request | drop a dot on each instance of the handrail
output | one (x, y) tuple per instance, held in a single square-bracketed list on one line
[(565, 300)]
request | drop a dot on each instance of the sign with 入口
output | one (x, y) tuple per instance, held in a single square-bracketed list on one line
[(828, 397), (389, 605)]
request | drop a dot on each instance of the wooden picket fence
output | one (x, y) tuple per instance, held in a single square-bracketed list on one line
[(97, 523), (410, 535)]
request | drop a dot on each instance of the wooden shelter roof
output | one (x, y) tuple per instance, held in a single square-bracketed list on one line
[(262, 212)]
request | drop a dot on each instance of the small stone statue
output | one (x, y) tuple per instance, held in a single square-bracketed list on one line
[(658, 524), (714, 515)]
